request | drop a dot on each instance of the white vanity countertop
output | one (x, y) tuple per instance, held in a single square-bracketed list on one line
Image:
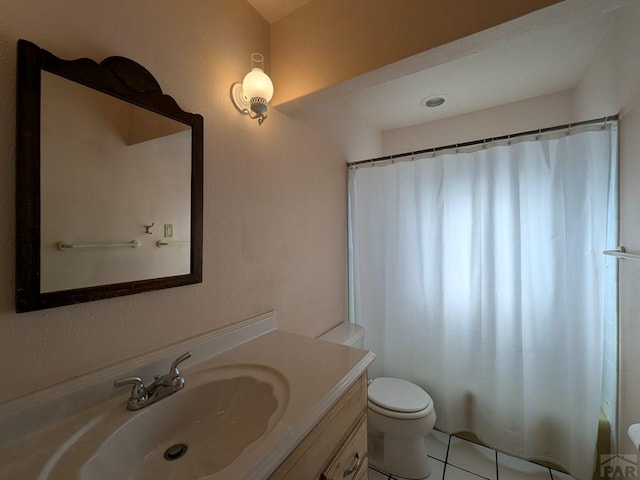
[(317, 373)]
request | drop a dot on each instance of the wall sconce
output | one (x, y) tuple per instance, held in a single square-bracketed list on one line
[(254, 93)]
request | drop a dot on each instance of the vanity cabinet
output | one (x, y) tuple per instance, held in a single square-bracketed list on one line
[(336, 448)]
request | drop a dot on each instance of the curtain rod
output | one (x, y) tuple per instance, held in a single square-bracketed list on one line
[(484, 141)]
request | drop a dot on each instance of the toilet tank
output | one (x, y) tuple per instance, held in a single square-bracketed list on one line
[(346, 333)]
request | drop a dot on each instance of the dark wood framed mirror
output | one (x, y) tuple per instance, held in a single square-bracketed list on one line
[(109, 174)]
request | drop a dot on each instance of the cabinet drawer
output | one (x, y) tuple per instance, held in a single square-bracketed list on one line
[(348, 462), (364, 471)]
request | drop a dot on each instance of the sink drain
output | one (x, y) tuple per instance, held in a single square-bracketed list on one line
[(174, 452)]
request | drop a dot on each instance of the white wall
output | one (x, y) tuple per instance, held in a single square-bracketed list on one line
[(530, 114), (629, 277), (610, 85), (275, 195), (348, 131)]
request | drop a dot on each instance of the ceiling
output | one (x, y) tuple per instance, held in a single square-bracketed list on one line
[(274, 10), (538, 63), (544, 58)]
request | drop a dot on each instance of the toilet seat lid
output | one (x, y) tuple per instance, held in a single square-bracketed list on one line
[(398, 395)]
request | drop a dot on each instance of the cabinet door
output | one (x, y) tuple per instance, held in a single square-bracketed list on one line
[(348, 462)]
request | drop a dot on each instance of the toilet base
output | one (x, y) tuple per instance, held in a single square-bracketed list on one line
[(396, 438), (404, 458)]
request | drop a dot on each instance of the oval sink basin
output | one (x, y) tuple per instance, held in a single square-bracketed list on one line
[(194, 433)]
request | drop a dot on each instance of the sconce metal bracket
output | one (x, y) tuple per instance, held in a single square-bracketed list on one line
[(243, 105)]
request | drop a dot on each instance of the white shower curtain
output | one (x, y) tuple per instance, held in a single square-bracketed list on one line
[(479, 276)]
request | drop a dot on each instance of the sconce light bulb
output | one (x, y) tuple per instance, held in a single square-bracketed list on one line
[(258, 88)]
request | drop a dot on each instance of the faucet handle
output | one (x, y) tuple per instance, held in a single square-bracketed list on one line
[(138, 392), (174, 366)]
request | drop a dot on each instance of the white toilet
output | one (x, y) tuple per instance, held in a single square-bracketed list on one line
[(400, 416)]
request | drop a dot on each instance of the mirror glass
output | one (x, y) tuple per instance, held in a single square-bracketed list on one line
[(108, 168), (109, 182)]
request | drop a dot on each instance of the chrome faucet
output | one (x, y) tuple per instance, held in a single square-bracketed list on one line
[(162, 386)]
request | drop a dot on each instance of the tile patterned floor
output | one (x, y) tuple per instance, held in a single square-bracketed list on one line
[(454, 458)]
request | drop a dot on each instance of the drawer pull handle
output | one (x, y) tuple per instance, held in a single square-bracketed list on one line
[(354, 467)]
